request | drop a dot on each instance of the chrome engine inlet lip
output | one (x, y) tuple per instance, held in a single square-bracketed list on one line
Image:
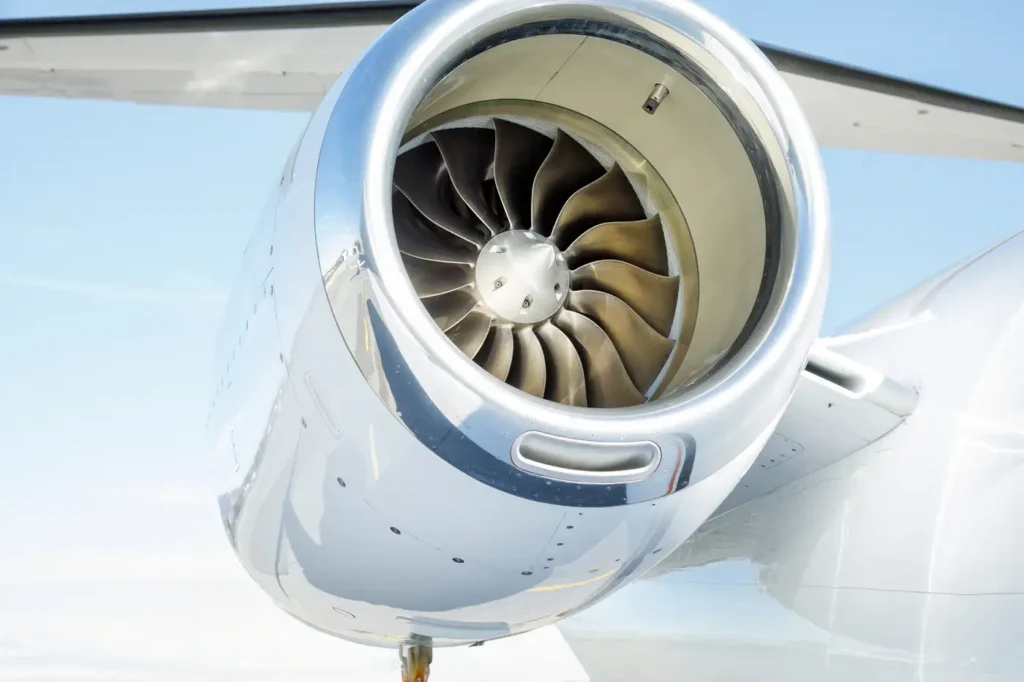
[(353, 217)]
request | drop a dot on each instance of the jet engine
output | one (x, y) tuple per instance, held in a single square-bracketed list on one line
[(536, 287)]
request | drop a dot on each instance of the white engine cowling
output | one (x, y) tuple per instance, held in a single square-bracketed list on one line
[(537, 286)]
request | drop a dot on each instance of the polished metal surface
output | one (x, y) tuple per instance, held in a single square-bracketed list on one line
[(900, 562), (562, 458), (522, 277), (370, 486)]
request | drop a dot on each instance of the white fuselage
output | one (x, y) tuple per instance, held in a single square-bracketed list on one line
[(902, 561)]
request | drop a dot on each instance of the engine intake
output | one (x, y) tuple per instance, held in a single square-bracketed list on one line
[(531, 265)]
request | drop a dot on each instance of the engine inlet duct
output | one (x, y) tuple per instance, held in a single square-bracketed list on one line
[(536, 288), (537, 262)]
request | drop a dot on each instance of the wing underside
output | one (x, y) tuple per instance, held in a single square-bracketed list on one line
[(286, 57)]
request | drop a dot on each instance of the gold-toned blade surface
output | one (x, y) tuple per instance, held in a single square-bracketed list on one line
[(528, 372), (642, 349), (434, 279), (566, 382), (518, 154), (567, 168), (421, 241), (638, 242), (421, 175), (450, 309), (470, 333), (496, 354), (609, 198), (652, 296), (468, 154), (608, 383)]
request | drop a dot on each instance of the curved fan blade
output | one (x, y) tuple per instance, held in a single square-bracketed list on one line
[(433, 279), (496, 354), (450, 309), (518, 154), (639, 242), (494, 202), (417, 240), (468, 153), (610, 197), (566, 382), (527, 372), (567, 168), (652, 296), (643, 350), (608, 383), (470, 333), (420, 175)]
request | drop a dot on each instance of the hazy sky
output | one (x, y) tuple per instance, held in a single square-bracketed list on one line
[(120, 230)]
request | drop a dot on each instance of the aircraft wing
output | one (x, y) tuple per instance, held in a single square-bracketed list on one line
[(839, 406), (286, 57)]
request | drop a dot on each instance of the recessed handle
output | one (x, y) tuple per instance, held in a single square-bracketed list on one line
[(581, 461)]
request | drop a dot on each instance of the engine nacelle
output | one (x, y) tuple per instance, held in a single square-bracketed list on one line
[(537, 287)]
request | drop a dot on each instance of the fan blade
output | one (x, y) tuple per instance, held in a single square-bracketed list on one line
[(639, 242), (417, 240), (642, 349), (420, 175), (451, 308), (494, 202), (652, 296), (566, 382), (610, 197), (470, 333), (468, 154), (518, 154), (567, 168), (496, 354), (433, 279), (527, 372), (608, 383)]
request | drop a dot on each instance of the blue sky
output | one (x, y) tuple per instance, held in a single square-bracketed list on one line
[(121, 227)]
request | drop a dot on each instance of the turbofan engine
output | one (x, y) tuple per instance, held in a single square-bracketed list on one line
[(537, 286)]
